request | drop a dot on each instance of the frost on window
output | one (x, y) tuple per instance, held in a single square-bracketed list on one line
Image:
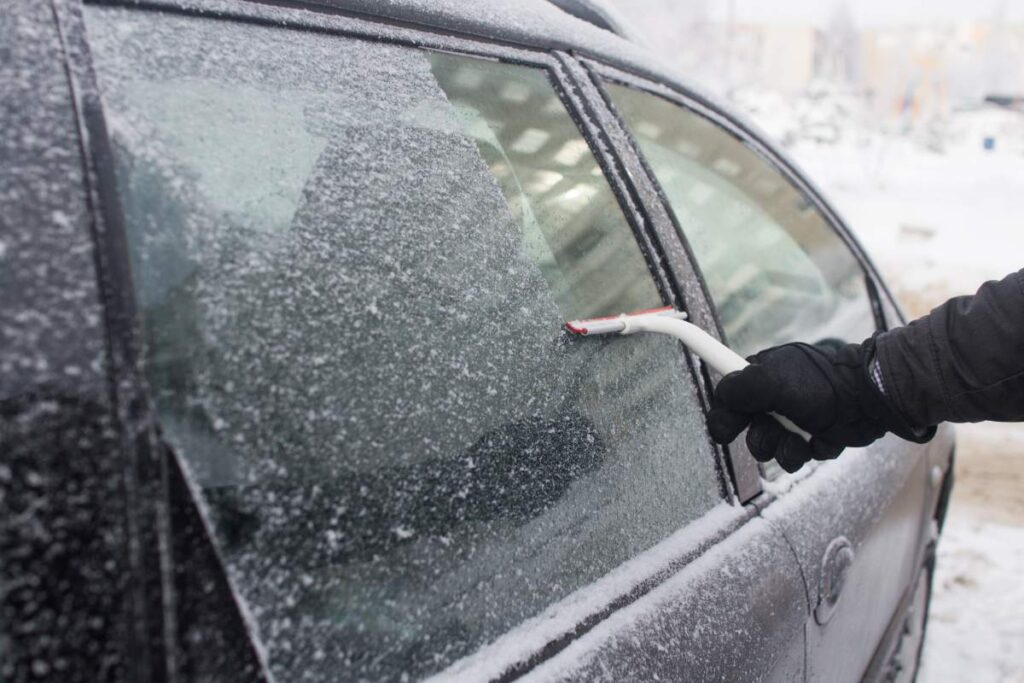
[(353, 265), (776, 269)]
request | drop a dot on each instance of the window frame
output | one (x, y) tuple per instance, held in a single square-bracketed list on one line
[(747, 135), (171, 500), (690, 100), (673, 252)]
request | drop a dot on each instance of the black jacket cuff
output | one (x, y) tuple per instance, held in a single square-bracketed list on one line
[(880, 407)]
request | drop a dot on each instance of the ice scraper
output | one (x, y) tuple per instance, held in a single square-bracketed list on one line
[(671, 322)]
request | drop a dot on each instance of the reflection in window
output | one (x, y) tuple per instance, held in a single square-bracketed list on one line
[(353, 262), (775, 268), (569, 217)]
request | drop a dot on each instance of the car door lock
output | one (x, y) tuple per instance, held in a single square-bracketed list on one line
[(835, 567)]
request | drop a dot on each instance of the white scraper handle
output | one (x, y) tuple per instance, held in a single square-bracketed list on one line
[(665, 321)]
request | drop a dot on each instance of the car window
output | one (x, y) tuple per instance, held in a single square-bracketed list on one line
[(353, 262), (776, 270)]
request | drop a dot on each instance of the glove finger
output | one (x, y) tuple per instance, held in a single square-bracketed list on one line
[(767, 439), (725, 425), (823, 450), (793, 452), (750, 390), (764, 438)]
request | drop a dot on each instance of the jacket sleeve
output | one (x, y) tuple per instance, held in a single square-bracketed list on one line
[(963, 362)]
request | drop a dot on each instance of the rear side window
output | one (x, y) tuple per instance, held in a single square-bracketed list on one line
[(775, 268), (353, 262)]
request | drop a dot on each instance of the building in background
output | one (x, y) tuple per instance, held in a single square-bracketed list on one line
[(907, 77), (921, 71)]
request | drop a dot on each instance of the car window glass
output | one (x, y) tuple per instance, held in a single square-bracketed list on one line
[(352, 263), (776, 270)]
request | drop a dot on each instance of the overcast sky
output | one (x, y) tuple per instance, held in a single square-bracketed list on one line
[(869, 11)]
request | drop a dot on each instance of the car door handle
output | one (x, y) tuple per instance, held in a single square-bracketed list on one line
[(835, 568)]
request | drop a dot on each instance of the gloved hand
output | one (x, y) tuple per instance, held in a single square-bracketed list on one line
[(826, 389)]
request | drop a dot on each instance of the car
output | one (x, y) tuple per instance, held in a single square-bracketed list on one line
[(285, 391)]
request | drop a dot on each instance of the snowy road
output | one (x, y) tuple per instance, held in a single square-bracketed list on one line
[(939, 225)]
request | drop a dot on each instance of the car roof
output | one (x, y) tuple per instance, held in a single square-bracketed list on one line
[(528, 23), (599, 14)]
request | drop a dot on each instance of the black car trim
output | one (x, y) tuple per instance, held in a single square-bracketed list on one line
[(876, 303), (948, 479), (681, 237), (128, 328), (744, 471), (112, 272), (147, 475), (357, 25)]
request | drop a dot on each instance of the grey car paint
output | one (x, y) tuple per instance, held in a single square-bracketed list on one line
[(689, 627), (730, 615), (855, 524)]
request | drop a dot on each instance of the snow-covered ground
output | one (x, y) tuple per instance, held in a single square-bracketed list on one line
[(976, 625), (976, 628), (938, 225)]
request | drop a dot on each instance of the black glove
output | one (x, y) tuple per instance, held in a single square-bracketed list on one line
[(826, 389)]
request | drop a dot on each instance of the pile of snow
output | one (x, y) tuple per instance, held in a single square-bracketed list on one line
[(821, 114)]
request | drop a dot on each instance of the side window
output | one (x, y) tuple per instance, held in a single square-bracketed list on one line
[(775, 268), (352, 262)]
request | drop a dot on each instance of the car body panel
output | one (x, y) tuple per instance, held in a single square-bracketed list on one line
[(633, 586), (874, 499), (731, 615)]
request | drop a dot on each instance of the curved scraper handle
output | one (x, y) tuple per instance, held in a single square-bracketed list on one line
[(667, 321)]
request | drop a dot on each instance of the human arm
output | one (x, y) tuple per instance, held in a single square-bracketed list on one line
[(962, 362)]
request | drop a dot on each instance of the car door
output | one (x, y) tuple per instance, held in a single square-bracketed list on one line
[(352, 260), (777, 271)]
